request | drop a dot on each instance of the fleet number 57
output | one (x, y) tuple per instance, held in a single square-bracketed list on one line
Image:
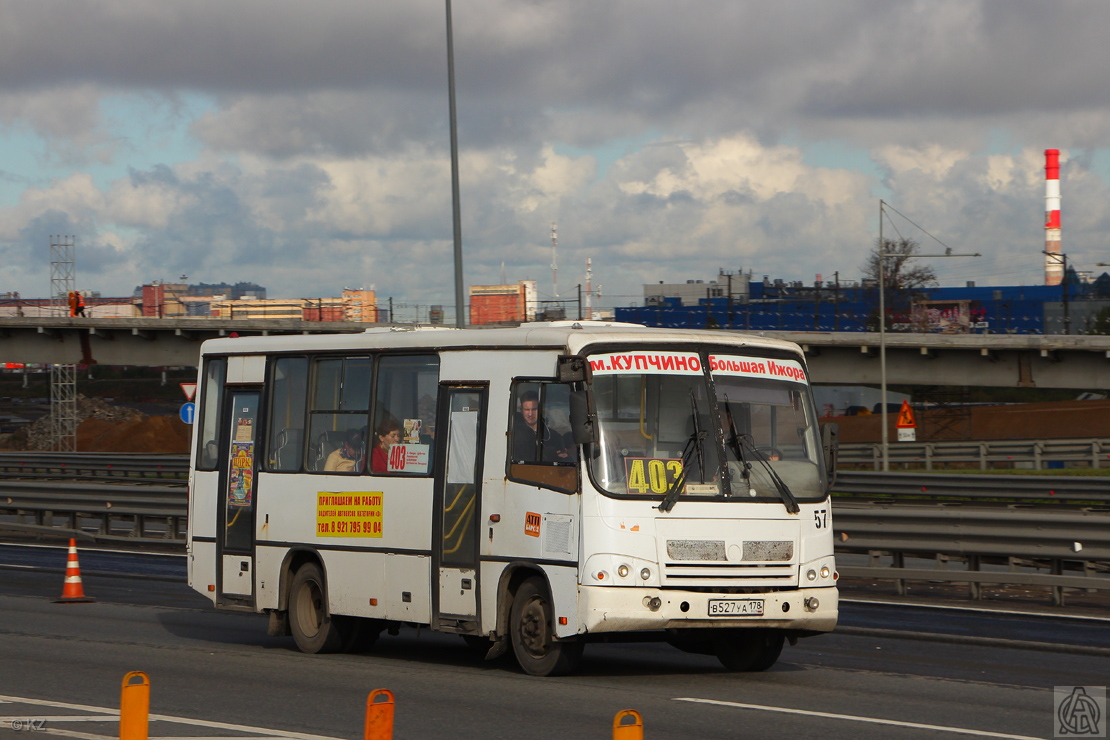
[(821, 518)]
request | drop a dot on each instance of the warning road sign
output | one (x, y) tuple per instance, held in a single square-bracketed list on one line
[(905, 417)]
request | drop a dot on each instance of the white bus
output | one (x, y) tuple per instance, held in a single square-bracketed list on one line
[(531, 488)]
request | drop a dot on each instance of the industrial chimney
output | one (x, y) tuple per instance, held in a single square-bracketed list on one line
[(1053, 259)]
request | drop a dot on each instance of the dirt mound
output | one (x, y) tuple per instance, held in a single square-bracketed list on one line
[(162, 434)]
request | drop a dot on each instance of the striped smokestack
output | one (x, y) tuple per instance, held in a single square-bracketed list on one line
[(1053, 262)]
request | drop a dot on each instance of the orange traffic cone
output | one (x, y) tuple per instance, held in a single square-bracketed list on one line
[(73, 591)]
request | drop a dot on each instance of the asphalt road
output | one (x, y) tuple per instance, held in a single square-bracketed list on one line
[(222, 668)]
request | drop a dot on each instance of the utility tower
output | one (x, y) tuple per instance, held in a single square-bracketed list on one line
[(554, 264), (63, 378), (589, 289)]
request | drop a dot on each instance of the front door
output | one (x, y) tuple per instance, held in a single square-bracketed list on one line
[(238, 476), (457, 507)]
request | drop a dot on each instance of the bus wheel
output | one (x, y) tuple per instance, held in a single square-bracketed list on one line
[(749, 649), (313, 630), (530, 620)]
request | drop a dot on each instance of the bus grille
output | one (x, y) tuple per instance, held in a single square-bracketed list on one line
[(729, 574), (725, 555)]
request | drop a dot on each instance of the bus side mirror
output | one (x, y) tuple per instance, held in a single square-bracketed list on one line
[(830, 447), (572, 369), (582, 424)]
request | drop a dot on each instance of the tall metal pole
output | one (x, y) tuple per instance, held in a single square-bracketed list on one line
[(882, 341), (1067, 290), (460, 300)]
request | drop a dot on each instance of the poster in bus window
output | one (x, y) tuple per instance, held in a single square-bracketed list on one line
[(412, 430), (241, 474), (244, 429), (408, 458)]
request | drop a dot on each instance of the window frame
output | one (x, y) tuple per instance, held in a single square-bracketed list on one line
[(312, 411), (210, 407), (546, 474), (375, 408)]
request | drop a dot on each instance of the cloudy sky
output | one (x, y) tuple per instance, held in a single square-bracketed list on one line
[(305, 146)]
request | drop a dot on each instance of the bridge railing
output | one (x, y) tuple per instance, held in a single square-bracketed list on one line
[(1038, 453)]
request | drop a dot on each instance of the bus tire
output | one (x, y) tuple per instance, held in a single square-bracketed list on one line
[(533, 638), (313, 628), (750, 650)]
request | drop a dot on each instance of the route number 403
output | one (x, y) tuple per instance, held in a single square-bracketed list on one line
[(821, 518)]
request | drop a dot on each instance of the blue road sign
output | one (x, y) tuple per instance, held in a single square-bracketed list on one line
[(188, 411)]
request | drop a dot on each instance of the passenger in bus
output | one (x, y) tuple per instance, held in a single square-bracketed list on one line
[(347, 458), (529, 430), (388, 434)]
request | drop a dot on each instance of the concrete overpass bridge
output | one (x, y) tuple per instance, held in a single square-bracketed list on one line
[(1021, 360)]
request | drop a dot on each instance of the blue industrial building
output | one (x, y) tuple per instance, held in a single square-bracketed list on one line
[(791, 306)]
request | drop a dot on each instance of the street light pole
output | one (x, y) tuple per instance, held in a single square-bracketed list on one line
[(460, 300), (883, 256)]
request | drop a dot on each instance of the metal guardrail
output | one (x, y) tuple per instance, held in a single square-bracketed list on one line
[(118, 510), (95, 464), (1057, 549), (985, 453), (983, 520), (1002, 489)]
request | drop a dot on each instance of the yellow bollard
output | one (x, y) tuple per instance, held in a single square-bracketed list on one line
[(633, 730), (134, 707), (379, 715)]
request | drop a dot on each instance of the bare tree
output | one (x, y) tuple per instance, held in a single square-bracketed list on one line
[(901, 277)]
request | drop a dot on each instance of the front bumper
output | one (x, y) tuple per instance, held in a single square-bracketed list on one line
[(616, 609)]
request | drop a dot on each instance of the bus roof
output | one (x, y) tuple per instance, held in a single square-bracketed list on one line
[(568, 336)]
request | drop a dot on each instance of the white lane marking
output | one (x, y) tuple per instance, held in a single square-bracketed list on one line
[(854, 718), (64, 718), (81, 548), (113, 714), (79, 735), (976, 610)]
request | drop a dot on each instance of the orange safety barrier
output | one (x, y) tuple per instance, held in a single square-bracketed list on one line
[(134, 707), (73, 591), (623, 730), (379, 715)]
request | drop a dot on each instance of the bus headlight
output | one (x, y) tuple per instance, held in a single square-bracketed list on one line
[(811, 574), (622, 570), (645, 574), (824, 571)]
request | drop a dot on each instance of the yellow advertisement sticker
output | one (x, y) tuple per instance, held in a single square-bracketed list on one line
[(353, 514)]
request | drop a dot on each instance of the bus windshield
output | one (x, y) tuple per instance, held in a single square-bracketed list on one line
[(714, 425)]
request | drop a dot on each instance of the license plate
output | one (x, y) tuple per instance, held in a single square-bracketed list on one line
[(736, 607)]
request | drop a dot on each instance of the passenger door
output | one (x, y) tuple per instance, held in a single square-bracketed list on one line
[(238, 458), (458, 495)]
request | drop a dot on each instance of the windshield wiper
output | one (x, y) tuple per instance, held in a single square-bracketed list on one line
[(737, 449), (785, 493), (693, 444)]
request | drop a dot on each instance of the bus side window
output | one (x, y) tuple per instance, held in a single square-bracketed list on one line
[(541, 445), (215, 370), (339, 414), (403, 436), (288, 390)]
